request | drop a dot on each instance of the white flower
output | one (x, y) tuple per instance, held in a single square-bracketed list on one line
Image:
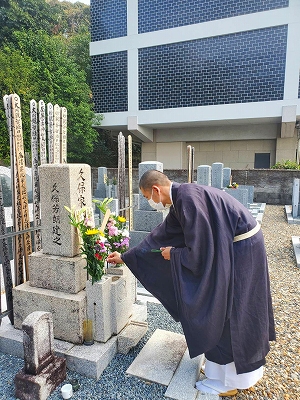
[(125, 233)]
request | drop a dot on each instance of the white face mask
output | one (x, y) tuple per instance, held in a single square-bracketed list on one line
[(158, 206)]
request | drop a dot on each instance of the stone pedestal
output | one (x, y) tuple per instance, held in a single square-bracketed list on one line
[(69, 310), (65, 274)]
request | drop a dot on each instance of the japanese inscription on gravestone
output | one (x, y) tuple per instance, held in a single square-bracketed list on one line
[(62, 185)]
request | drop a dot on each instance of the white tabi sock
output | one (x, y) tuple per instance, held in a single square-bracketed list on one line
[(217, 385), (205, 389)]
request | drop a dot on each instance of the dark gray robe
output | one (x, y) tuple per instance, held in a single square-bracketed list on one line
[(219, 290)]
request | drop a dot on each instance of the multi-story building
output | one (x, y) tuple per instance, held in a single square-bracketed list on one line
[(219, 75)]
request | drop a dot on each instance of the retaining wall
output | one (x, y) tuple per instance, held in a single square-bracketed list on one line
[(271, 186)]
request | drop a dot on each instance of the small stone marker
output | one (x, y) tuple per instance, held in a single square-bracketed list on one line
[(43, 371)]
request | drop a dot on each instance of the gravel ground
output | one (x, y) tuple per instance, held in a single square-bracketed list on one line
[(281, 380)]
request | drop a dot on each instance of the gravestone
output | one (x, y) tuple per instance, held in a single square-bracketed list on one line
[(204, 175), (43, 371), (217, 175), (295, 198), (101, 189), (226, 176), (250, 189), (145, 218), (58, 275), (239, 194)]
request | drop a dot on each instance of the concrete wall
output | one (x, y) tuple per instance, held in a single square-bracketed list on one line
[(271, 186), (234, 145)]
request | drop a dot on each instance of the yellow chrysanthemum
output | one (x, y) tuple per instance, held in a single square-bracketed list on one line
[(92, 231), (122, 219)]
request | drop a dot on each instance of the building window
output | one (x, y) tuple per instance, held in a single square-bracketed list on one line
[(262, 160)]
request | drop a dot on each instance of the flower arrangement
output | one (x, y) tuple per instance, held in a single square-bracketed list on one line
[(116, 232), (233, 185), (96, 244), (93, 242)]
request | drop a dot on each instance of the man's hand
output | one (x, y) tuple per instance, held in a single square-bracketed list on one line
[(165, 252), (115, 258)]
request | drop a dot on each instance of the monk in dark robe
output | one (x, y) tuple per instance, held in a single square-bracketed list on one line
[(211, 274)]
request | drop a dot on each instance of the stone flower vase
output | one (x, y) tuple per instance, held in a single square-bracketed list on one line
[(109, 305)]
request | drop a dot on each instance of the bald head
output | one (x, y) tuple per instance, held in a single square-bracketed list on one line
[(153, 177)]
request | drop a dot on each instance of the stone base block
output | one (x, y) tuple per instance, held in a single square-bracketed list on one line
[(39, 387), (69, 310), (136, 237), (147, 220), (65, 274), (91, 361), (131, 335)]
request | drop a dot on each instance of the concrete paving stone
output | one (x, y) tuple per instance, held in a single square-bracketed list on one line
[(92, 360), (182, 385), (11, 339), (159, 358)]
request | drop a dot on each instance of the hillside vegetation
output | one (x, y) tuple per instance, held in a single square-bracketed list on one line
[(44, 55)]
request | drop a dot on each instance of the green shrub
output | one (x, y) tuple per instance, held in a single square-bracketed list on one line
[(286, 164)]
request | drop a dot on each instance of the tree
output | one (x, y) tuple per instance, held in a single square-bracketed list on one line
[(55, 78)]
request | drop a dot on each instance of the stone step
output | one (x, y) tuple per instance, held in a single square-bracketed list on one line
[(131, 335), (165, 360), (159, 358), (182, 385)]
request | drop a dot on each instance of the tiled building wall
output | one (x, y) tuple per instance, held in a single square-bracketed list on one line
[(237, 68), (109, 84), (108, 19), (156, 14)]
